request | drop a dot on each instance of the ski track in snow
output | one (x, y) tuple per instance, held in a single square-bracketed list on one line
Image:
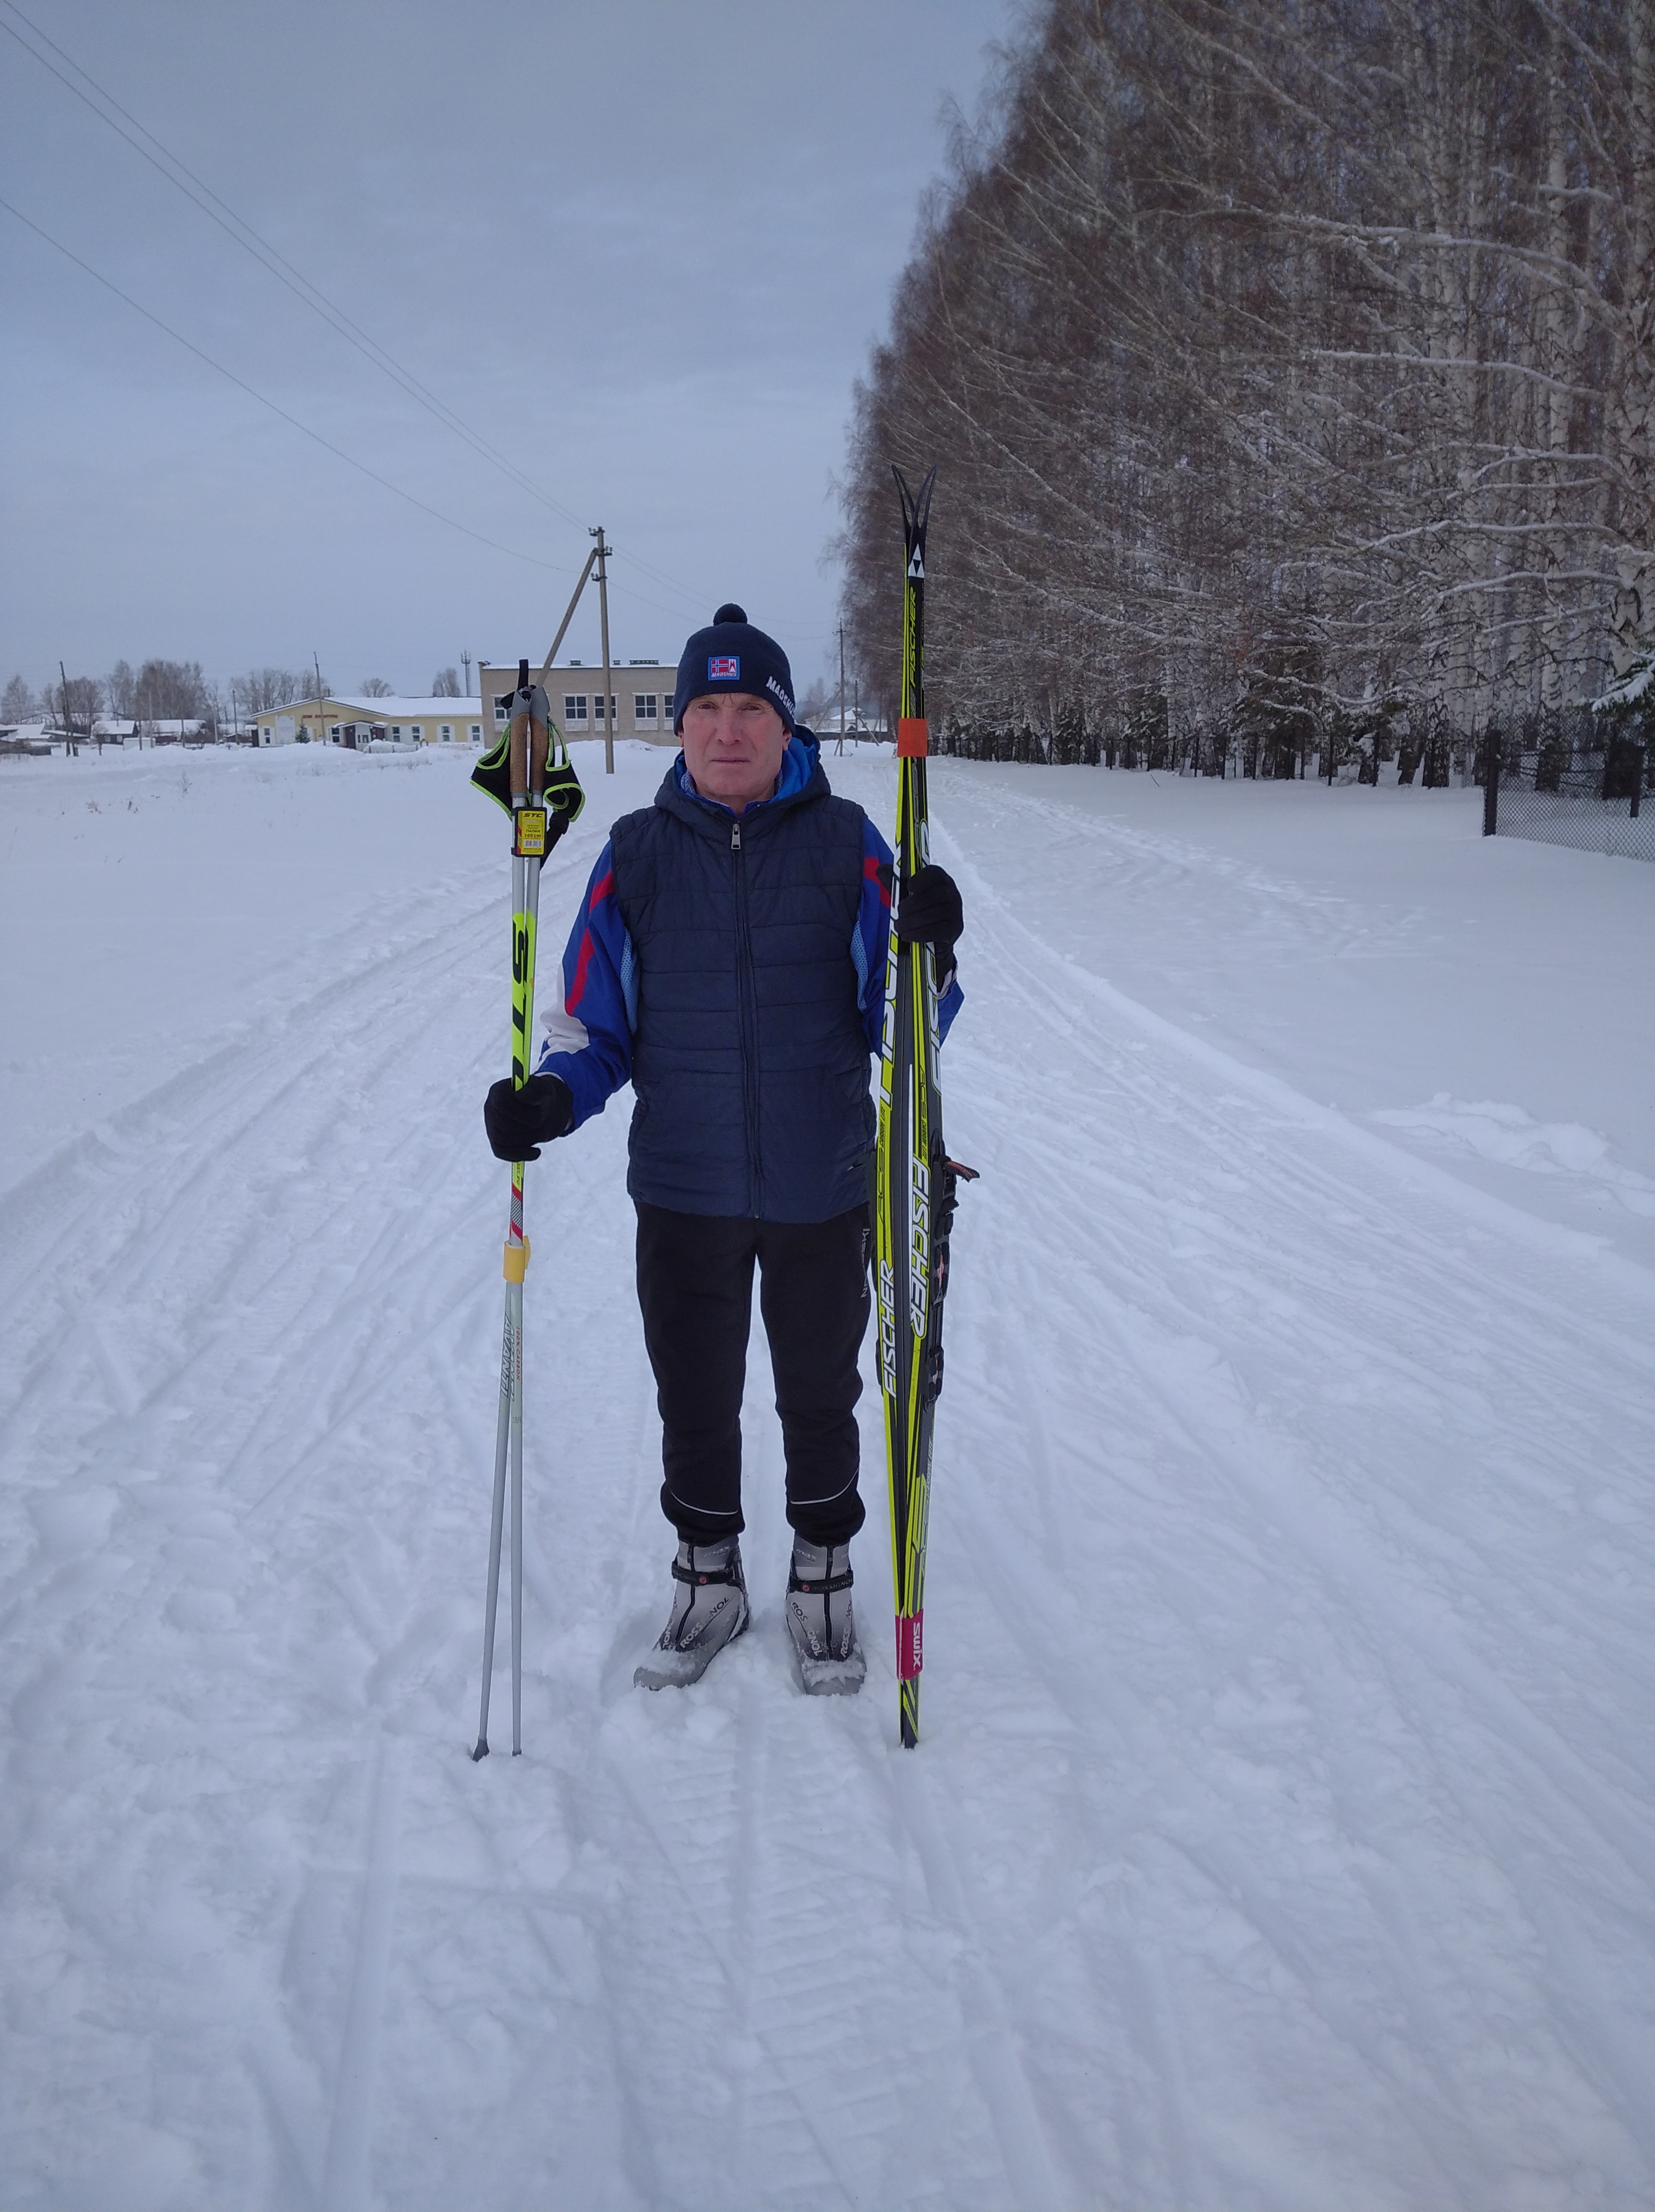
[(1281, 1835)]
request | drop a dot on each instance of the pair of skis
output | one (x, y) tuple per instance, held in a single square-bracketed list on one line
[(914, 1180)]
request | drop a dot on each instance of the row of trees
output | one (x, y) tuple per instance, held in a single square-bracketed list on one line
[(1291, 367), (176, 690), (159, 691)]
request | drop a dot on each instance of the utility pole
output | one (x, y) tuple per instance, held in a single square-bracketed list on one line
[(316, 661), (841, 745), (466, 663), (604, 551), (70, 749)]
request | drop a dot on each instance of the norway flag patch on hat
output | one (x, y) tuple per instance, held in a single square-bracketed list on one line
[(724, 668)]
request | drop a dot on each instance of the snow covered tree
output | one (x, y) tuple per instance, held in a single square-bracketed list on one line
[(1251, 338), (259, 688), (445, 684), (170, 690), (120, 688)]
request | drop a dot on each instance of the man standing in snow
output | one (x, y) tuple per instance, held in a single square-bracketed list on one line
[(728, 960)]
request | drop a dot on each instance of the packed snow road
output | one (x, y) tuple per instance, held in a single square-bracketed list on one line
[(1281, 1832)]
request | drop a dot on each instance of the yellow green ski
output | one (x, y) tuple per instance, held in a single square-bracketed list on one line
[(914, 1180)]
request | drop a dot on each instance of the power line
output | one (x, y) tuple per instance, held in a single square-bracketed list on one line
[(241, 232), (242, 384), (338, 451), (236, 228)]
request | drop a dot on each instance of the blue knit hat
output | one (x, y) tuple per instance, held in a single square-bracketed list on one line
[(733, 656)]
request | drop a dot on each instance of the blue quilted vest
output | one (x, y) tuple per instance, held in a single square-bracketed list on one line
[(750, 1065)]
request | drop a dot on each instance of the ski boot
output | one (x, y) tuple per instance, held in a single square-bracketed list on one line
[(832, 1662), (710, 1610)]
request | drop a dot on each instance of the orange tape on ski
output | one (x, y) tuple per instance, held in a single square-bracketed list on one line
[(517, 1261), (913, 738)]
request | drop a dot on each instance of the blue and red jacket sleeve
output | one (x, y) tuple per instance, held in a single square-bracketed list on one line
[(870, 945), (589, 1043)]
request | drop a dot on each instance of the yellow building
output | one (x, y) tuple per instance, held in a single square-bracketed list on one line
[(357, 723)]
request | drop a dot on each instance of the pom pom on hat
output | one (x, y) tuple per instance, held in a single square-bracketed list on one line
[(730, 612)]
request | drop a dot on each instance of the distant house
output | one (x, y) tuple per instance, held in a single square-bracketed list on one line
[(354, 724)]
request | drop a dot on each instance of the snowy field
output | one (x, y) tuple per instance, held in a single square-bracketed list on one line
[(1282, 1833)]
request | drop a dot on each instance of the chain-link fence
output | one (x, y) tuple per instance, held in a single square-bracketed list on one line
[(1569, 777)]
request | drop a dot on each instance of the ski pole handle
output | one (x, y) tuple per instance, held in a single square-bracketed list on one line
[(530, 736)]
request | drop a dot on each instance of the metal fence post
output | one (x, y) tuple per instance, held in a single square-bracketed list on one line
[(1491, 783)]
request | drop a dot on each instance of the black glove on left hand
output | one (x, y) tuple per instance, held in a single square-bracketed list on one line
[(929, 912), (518, 1121)]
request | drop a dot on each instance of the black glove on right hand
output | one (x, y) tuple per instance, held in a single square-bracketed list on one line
[(520, 1121), (929, 910)]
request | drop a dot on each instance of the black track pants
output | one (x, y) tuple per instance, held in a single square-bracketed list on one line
[(695, 1287)]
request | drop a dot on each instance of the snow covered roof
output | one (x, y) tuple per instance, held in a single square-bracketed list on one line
[(394, 709), (399, 708)]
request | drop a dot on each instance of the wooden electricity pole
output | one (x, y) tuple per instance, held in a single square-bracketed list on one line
[(604, 551), (840, 746)]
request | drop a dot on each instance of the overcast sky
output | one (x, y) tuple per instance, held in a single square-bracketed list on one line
[(643, 248)]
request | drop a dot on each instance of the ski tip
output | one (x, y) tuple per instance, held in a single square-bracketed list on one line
[(916, 506), (482, 1751)]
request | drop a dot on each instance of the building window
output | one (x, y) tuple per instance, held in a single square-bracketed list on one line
[(500, 710), (574, 705), (447, 733), (644, 704), (396, 729), (415, 732), (477, 732), (333, 732)]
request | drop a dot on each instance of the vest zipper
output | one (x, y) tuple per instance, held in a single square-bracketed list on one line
[(743, 955)]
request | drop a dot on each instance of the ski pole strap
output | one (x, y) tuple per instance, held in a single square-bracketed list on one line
[(913, 737), (909, 1645), (517, 1261)]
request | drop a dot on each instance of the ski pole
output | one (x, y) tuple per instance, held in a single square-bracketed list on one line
[(527, 743)]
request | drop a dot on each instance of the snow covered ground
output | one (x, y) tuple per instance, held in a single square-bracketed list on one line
[(1281, 1835)]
